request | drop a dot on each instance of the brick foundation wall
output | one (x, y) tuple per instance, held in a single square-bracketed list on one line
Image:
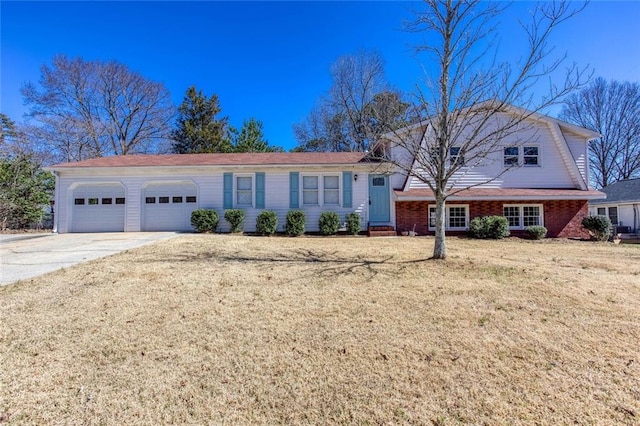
[(562, 218)]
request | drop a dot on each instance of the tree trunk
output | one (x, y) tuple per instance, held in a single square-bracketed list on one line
[(440, 247)]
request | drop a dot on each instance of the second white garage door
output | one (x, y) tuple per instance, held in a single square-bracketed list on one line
[(168, 206)]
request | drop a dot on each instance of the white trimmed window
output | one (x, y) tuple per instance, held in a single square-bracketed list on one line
[(611, 212), (529, 156), (321, 190), (244, 191), (456, 217), (455, 156), (522, 215)]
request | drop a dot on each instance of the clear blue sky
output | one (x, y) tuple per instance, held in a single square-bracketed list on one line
[(267, 60)]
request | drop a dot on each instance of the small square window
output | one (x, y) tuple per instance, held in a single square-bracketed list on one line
[(176, 200), (377, 181), (79, 201), (531, 216), (512, 213), (93, 201), (457, 217), (163, 200), (150, 200), (602, 211), (120, 200), (191, 199), (107, 201)]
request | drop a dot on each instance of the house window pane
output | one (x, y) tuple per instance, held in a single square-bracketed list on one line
[(531, 156), (331, 190), (93, 201), (511, 156), (512, 213), (120, 200), (176, 200), (457, 217), (602, 211), (150, 200), (377, 181), (107, 201), (78, 201), (163, 200), (531, 216), (310, 189), (432, 217), (613, 215), (191, 199), (454, 155), (244, 196)]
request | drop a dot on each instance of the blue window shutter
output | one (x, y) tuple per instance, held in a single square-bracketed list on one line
[(294, 190), (260, 190), (227, 200), (347, 191)]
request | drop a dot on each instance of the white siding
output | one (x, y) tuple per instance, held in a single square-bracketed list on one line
[(578, 147), (209, 183), (550, 173)]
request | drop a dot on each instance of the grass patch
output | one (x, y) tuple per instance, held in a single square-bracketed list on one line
[(231, 329)]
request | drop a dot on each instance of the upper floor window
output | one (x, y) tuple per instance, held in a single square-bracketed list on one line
[(511, 156), (455, 156), (526, 155), (244, 190)]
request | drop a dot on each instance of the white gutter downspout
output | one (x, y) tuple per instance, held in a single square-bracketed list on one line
[(56, 201)]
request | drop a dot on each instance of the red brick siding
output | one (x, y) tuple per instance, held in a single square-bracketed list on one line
[(562, 218)]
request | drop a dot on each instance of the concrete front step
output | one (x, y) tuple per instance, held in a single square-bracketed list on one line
[(382, 233)]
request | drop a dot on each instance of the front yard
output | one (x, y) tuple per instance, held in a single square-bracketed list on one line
[(219, 329)]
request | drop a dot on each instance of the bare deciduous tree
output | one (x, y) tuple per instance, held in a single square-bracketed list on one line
[(613, 110), (358, 108), (88, 109), (467, 96)]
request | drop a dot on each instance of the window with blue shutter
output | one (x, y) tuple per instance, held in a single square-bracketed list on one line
[(260, 190), (294, 190), (347, 191), (227, 192)]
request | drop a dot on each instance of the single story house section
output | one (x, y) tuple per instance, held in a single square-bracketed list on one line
[(622, 205), (158, 192)]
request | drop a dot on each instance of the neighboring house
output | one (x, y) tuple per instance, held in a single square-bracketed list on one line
[(159, 192), (622, 205)]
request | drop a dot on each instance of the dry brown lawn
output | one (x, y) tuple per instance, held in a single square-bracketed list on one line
[(214, 329)]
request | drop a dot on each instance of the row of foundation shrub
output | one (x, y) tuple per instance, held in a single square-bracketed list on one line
[(206, 220)]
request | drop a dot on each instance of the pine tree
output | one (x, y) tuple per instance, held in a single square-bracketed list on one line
[(251, 138), (198, 130)]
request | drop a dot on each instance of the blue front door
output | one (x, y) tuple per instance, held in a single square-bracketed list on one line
[(379, 206)]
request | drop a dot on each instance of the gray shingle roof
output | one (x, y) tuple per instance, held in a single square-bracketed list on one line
[(623, 191)]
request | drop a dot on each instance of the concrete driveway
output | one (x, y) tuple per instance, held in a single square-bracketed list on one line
[(24, 256)]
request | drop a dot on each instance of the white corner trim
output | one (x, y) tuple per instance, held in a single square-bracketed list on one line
[(566, 155)]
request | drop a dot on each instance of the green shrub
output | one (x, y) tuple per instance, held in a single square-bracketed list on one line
[(267, 222), (295, 222), (204, 220), (536, 232), (329, 223), (235, 217), (353, 223), (489, 227), (599, 226)]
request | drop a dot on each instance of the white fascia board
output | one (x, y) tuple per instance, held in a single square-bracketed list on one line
[(506, 198)]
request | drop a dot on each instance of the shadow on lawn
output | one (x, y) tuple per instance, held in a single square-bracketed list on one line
[(320, 263)]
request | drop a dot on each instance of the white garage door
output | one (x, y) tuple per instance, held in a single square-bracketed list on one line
[(168, 206), (98, 208)]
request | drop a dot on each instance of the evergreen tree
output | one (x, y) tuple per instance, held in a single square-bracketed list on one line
[(198, 129), (251, 138)]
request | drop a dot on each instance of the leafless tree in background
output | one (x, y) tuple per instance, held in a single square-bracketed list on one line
[(613, 110), (358, 108), (86, 109), (466, 94)]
